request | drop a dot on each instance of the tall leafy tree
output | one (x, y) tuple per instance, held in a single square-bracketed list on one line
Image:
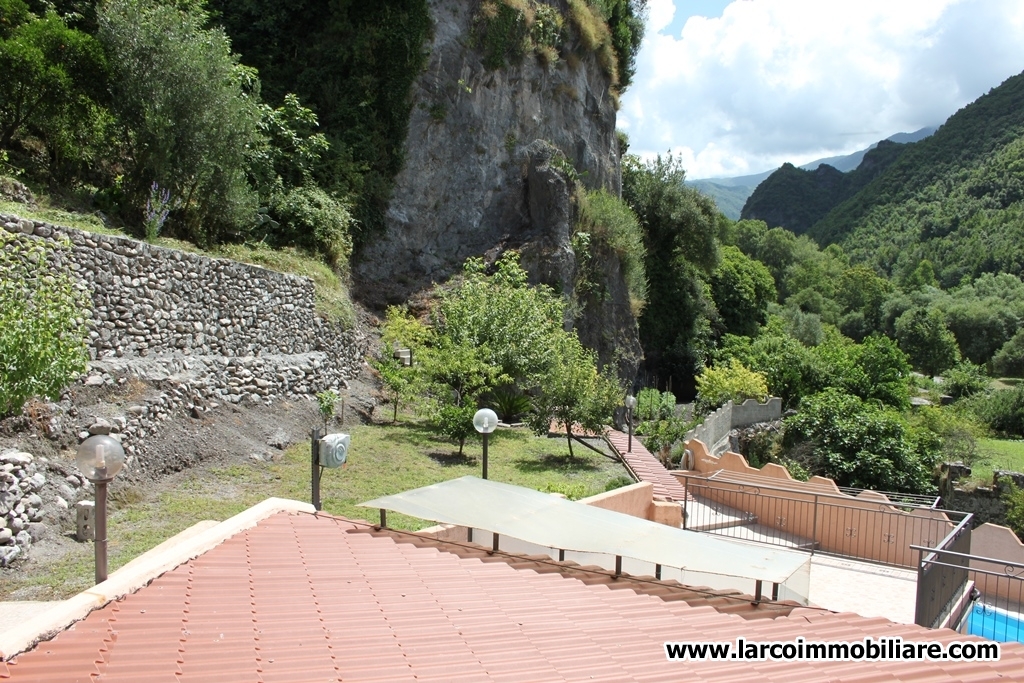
[(573, 392), (858, 443), (742, 289), (52, 81), (924, 337), (680, 227), (189, 112)]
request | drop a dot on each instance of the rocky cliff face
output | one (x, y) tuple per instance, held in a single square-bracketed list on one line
[(478, 177)]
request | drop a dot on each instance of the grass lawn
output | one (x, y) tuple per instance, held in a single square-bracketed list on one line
[(383, 459), (997, 454)]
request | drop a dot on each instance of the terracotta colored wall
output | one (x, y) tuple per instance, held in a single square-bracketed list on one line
[(867, 526), (666, 512), (632, 500)]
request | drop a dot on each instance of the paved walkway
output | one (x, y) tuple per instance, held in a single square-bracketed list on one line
[(646, 467), (863, 588)]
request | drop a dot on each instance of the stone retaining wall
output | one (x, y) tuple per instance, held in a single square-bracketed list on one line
[(150, 300), (714, 431)]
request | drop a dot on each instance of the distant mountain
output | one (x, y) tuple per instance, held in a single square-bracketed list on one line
[(955, 198), (796, 199), (731, 193)]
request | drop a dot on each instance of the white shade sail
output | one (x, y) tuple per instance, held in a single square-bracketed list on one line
[(551, 521)]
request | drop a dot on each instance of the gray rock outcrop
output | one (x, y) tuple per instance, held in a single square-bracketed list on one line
[(476, 179)]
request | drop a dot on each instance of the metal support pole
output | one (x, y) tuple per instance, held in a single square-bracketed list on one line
[(814, 532), (629, 427), (686, 499), (618, 566), (657, 571), (383, 518), (315, 467), (469, 535), (561, 554), (757, 592), (485, 456), (100, 545), (775, 591), (494, 543)]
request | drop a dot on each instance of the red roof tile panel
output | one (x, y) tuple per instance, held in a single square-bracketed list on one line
[(303, 597)]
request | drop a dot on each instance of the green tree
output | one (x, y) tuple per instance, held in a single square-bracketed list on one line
[(860, 444), (924, 337), (189, 111), (1002, 411), (396, 379), (454, 377), (981, 326), (42, 327), (730, 382), (874, 370), (861, 290), (290, 149), (510, 323), (777, 251), (1009, 360), (51, 85), (791, 369), (354, 64), (573, 392), (680, 226), (742, 289)]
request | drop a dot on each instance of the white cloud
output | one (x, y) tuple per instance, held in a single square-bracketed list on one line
[(792, 80)]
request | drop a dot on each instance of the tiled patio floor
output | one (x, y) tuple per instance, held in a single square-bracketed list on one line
[(869, 590)]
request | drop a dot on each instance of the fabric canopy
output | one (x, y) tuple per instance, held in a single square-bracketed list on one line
[(554, 522)]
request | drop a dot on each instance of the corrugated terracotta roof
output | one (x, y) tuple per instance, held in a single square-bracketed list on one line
[(646, 467), (300, 597)]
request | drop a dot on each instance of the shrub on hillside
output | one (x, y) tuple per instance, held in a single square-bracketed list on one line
[(966, 379), (733, 381), (42, 331), (315, 220), (1009, 360), (611, 223), (1002, 411), (859, 443)]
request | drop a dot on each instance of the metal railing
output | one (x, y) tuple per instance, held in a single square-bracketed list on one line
[(1000, 584), (897, 498), (942, 577), (868, 529)]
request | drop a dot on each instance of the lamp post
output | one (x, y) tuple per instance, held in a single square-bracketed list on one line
[(630, 404), (99, 459), (485, 422)]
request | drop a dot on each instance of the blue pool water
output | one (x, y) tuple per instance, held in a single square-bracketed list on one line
[(995, 624)]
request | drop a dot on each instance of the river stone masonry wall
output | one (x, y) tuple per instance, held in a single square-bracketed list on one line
[(204, 331), (152, 300)]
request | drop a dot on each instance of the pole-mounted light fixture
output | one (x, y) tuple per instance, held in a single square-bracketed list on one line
[(485, 421), (99, 459), (630, 404)]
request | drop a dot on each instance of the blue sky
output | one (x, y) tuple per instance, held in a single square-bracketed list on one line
[(740, 87)]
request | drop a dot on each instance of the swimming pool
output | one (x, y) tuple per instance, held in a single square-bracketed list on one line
[(995, 624)]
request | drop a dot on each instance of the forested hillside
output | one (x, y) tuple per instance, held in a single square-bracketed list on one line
[(797, 199), (955, 199)]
